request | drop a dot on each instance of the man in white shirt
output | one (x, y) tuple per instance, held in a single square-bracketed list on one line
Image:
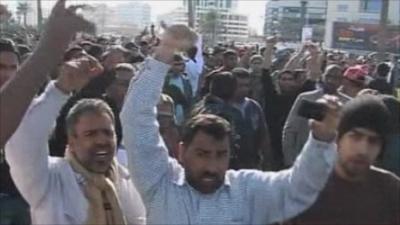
[(201, 190), (88, 186)]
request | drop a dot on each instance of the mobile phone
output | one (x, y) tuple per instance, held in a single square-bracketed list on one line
[(312, 110)]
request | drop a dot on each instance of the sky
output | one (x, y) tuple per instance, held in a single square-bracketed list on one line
[(252, 8)]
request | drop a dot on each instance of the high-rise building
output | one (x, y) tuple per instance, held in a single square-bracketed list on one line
[(224, 4), (287, 18), (227, 25), (354, 25)]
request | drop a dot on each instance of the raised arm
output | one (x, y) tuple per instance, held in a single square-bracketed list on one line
[(148, 160), (292, 191), (294, 61), (18, 92), (27, 151)]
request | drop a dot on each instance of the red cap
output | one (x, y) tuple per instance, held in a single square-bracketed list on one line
[(356, 73)]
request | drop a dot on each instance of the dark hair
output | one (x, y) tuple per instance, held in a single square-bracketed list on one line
[(212, 125), (23, 49), (191, 52), (177, 58), (393, 105), (95, 51), (223, 85), (241, 73), (86, 106), (383, 69), (7, 45), (229, 52), (290, 72), (68, 53), (366, 111)]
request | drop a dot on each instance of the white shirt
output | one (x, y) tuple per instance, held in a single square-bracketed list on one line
[(49, 184)]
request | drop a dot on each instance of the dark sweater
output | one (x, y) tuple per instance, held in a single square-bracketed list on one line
[(375, 200)]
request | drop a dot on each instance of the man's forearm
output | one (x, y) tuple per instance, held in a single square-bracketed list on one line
[(16, 95)]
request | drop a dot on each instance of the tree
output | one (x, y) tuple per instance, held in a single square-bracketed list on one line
[(23, 9)]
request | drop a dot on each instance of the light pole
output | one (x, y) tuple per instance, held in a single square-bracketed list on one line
[(303, 11)]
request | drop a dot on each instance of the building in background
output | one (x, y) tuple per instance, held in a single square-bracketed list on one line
[(216, 25), (133, 13), (224, 4), (284, 18), (354, 25)]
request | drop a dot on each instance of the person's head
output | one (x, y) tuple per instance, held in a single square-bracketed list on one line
[(123, 73), (86, 45), (178, 64), (332, 78), (144, 47), (382, 70), (393, 105), (166, 120), (243, 81), (287, 82), (362, 130), (256, 63), (230, 59), (114, 56), (191, 52), (23, 50), (223, 85), (74, 52), (91, 134), (9, 60), (96, 51), (354, 80), (204, 152)]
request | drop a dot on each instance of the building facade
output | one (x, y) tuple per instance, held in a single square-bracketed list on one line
[(287, 18), (224, 25), (225, 4), (355, 24)]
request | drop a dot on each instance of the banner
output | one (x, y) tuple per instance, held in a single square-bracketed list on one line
[(364, 37)]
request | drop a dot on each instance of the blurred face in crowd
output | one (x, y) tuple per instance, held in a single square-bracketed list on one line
[(117, 90), (113, 59), (243, 88), (206, 159), (145, 48), (93, 141), (230, 61), (287, 83), (352, 88), (178, 67), (8, 66), (358, 150), (168, 129), (256, 65), (332, 79)]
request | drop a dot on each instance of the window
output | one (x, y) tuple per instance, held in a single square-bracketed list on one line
[(371, 6), (342, 8)]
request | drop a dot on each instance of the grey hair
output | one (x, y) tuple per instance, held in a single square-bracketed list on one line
[(85, 106)]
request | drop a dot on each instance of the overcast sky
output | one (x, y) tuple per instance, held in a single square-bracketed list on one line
[(253, 8)]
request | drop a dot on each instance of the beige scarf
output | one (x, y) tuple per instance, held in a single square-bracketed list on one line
[(100, 191)]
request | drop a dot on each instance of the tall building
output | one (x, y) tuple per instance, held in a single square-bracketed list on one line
[(286, 18), (354, 25), (133, 13), (224, 4), (227, 26)]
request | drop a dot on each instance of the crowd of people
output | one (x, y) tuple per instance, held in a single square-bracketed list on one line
[(163, 129)]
